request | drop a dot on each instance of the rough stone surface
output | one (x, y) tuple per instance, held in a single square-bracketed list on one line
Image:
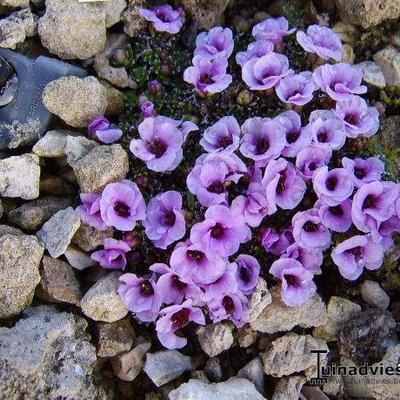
[(113, 10), (259, 300), (134, 23), (19, 134), (277, 317), (213, 369), (164, 366), (292, 353), (77, 258), (374, 295), (115, 101), (15, 3), (289, 388), (368, 13), (215, 338), (19, 176), (55, 185), (232, 389), (340, 310), (102, 165), (56, 234), (31, 216), (47, 355), (246, 336), (389, 133), (102, 302), (19, 272), (10, 230), (118, 76), (253, 371), (58, 283), (388, 59), (114, 338), (206, 13), (373, 75), (75, 100), (88, 238), (77, 147), (52, 144)]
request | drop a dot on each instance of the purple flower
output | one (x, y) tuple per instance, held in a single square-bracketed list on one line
[(101, 128), (339, 81), (263, 140), (283, 186), (113, 256), (160, 144), (272, 30), (175, 318), (247, 272), (89, 211), (309, 231), (296, 138), (164, 18), (358, 118), (374, 203), (276, 243), (222, 137), (154, 87), (296, 89), (253, 207), (211, 173), (265, 72), (311, 158), (121, 205), (255, 49), (172, 288), (387, 229), (336, 218), (310, 259), (221, 232), (225, 284), (217, 42), (147, 109), (334, 186), (165, 223), (297, 282), (364, 171), (352, 255), (322, 41), (191, 262), (208, 76), (140, 296)]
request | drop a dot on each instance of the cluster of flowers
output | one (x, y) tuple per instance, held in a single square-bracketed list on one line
[(286, 159)]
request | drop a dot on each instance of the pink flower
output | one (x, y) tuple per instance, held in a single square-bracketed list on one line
[(164, 18), (296, 89), (114, 254), (272, 30), (101, 129), (217, 42), (89, 211)]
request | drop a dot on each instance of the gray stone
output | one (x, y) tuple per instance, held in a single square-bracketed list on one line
[(389, 133), (10, 230), (55, 185), (253, 371), (164, 366), (232, 389), (19, 134), (102, 165), (113, 10), (15, 3), (88, 238), (289, 388), (47, 355), (115, 100), (388, 59), (52, 144), (118, 76), (374, 295), (32, 215), (373, 75), (215, 338), (246, 336), (77, 258), (102, 302), (213, 369), (19, 176), (134, 23), (260, 299), (56, 234), (19, 272), (77, 147), (278, 317), (206, 14)]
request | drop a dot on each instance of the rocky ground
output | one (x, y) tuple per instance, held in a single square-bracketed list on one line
[(65, 333)]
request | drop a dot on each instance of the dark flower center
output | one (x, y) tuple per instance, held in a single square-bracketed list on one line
[(244, 274), (121, 209), (216, 187), (322, 136), (206, 79), (336, 210), (310, 227), (369, 202), (224, 141), (357, 253), (228, 304), (177, 284), (351, 119), (281, 186), (292, 280), (331, 183), (217, 231), (146, 288), (164, 17), (195, 255), (292, 136), (360, 173), (168, 219), (158, 147), (180, 318), (332, 86), (262, 145)]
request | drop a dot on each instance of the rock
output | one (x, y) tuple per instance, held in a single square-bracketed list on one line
[(348, 32), (1, 209), (102, 165), (72, 29), (366, 336), (340, 310), (19, 134), (102, 302), (88, 238), (15, 3), (277, 317), (10, 230), (388, 59), (19, 272), (114, 338), (55, 185), (128, 366), (292, 353), (75, 100), (77, 147), (253, 371), (134, 23), (246, 336), (213, 369), (58, 283), (232, 389), (113, 10), (289, 388), (52, 144), (118, 76), (56, 234), (115, 101), (47, 355), (389, 132), (164, 366), (260, 299), (31, 216), (215, 338), (19, 176), (374, 295), (348, 55), (313, 393), (373, 75), (77, 258), (207, 14), (368, 13)]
